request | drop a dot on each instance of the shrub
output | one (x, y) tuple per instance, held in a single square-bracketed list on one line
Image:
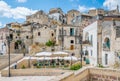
[(100, 65), (75, 67), (38, 66), (23, 67)]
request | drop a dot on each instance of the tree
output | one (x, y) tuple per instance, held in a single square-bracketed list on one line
[(50, 44)]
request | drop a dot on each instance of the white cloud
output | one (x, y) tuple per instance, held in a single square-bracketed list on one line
[(15, 13), (111, 4), (0, 24), (84, 8), (21, 1)]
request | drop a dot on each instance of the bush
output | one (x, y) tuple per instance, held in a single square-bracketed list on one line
[(23, 67), (75, 67), (38, 66), (100, 65)]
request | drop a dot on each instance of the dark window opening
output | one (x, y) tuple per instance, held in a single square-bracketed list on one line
[(11, 36), (52, 34), (38, 33), (72, 41), (27, 37), (71, 31), (16, 45), (106, 59)]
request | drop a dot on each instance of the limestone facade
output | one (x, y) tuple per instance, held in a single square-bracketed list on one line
[(95, 12), (110, 41), (3, 42), (70, 38), (70, 15)]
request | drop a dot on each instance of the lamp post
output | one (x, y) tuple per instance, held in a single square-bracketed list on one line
[(23, 48), (62, 38), (81, 51), (9, 39)]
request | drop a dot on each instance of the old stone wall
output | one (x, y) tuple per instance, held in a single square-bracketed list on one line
[(33, 72), (95, 74)]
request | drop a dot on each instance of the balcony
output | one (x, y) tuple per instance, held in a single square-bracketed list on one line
[(86, 43), (105, 47)]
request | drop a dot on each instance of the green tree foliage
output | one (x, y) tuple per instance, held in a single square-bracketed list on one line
[(50, 43), (75, 67)]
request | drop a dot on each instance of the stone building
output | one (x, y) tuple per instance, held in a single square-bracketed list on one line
[(83, 20), (90, 43), (105, 48), (3, 42), (95, 12), (15, 36), (42, 34), (68, 37), (39, 17), (27, 35), (70, 15), (110, 40)]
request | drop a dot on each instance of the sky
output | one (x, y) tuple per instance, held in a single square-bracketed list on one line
[(17, 10)]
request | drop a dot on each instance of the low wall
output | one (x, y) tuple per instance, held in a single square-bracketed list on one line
[(32, 72), (97, 74), (93, 74), (84, 74)]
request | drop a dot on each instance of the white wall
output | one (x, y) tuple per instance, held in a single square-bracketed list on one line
[(92, 30), (111, 58), (2, 48)]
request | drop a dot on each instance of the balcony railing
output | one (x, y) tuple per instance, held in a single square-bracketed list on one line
[(86, 42), (105, 48)]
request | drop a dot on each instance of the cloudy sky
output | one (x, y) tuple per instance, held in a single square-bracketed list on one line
[(16, 10)]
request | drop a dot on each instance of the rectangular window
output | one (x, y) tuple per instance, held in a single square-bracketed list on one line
[(91, 52), (91, 40), (71, 31), (106, 59), (38, 33)]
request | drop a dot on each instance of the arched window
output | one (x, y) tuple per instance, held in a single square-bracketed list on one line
[(107, 43)]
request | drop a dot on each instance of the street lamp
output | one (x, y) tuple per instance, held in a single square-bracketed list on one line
[(81, 51), (9, 39), (62, 38), (23, 48)]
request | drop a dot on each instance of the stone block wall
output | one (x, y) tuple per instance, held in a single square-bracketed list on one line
[(95, 74), (104, 74)]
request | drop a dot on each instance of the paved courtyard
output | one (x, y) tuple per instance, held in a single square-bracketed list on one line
[(13, 58), (27, 78)]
